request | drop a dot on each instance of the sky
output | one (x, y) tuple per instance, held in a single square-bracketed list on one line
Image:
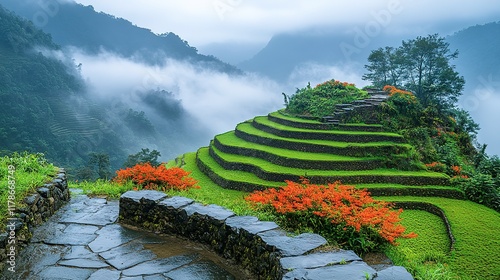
[(254, 22)]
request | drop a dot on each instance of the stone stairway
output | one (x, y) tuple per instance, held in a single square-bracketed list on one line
[(364, 108)]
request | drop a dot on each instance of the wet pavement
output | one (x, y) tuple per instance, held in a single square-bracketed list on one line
[(84, 241)]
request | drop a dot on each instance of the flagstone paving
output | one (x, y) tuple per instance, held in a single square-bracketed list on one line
[(84, 241)]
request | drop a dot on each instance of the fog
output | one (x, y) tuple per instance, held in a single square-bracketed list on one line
[(186, 104), (483, 104)]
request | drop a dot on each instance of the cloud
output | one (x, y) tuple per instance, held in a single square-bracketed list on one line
[(317, 73), (483, 106), (213, 101)]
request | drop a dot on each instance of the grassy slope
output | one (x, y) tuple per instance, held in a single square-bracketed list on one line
[(476, 228), (284, 116), (422, 255), (26, 181), (265, 121), (248, 128), (273, 168), (230, 139)]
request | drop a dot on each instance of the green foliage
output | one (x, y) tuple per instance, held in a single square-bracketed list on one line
[(476, 253), (31, 171), (144, 156), (422, 256), (422, 66), (321, 100), (97, 168), (483, 189), (102, 187)]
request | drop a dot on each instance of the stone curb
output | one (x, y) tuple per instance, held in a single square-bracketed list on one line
[(259, 246), (40, 205)]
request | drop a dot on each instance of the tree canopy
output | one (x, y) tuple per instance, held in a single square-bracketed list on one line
[(422, 66)]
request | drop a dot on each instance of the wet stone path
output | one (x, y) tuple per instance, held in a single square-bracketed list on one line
[(84, 241)]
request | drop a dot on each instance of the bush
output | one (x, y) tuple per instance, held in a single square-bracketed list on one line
[(343, 214), (481, 189), (158, 178), (320, 101)]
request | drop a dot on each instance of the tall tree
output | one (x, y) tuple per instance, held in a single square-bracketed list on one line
[(420, 65)]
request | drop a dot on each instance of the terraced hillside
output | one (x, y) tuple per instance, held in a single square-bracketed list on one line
[(266, 151), (263, 152)]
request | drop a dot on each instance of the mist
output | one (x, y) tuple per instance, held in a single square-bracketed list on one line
[(483, 104), (187, 105)]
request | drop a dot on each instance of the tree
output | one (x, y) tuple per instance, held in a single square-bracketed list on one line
[(143, 156), (422, 66)]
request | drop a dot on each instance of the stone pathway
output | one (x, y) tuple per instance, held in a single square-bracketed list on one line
[(83, 241)]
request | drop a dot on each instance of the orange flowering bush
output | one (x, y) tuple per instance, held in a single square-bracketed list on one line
[(341, 213), (394, 90), (436, 166), (145, 176)]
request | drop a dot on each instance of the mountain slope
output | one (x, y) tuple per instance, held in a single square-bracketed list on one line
[(72, 24), (479, 53)]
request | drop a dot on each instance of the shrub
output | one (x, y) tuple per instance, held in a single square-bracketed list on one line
[(343, 214), (146, 176), (436, 166), (321, 100), (481, 188)]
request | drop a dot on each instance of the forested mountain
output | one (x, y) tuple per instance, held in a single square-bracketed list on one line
[(477, 46), (479, 55), (284, 52), (72, 24), (45, 106)]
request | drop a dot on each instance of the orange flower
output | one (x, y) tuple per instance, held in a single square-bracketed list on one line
[(156, 178), (340, 204)]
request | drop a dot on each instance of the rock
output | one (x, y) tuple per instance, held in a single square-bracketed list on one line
[(159, 265), (200, 270), (318, 260), (215, 212), (176, 202), (144, 195), (84, 263), (124, 261), (292, 246), (32, 199), (44, 192), (250, 224), (112, 236), (62, 272), (105, 274), (352, 271), (394, 273)]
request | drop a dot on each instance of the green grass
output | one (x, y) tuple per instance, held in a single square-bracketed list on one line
[(476, 229), (233, 175), (230, 139), (249, 129), (265, 121), (102, 188), (273, 168), (399, 186), (211, 193), (31, 172), (425, 255), (282, 115)]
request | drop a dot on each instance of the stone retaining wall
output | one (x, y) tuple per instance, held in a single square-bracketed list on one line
[(318, 135), (37, 208), (267, 251), (383, 150), (361, 164), (348, 179)]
